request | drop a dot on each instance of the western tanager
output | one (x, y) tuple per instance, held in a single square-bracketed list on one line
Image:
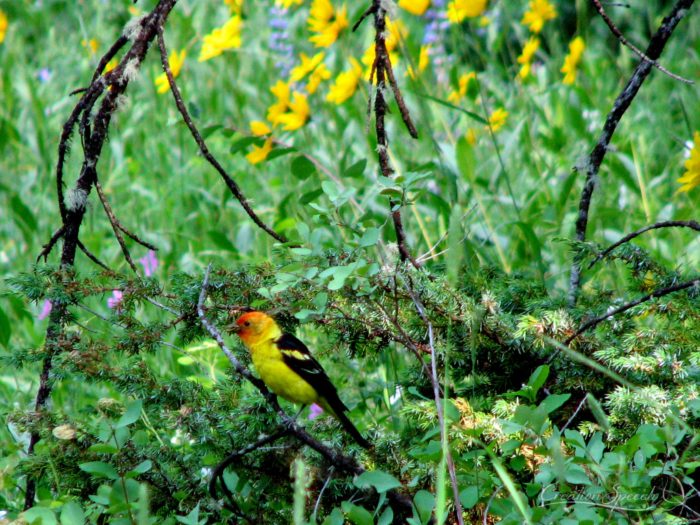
[(287, 367)]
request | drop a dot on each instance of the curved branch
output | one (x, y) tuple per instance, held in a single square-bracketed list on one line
[(693, 225), (622, 103), (653, 295), (235, 189)]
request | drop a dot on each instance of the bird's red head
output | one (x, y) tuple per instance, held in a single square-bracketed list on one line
[(253, 327)]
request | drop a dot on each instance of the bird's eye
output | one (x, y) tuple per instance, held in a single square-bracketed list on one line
[(247, 323)]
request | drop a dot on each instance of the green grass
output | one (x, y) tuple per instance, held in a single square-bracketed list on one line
[(506, 204)]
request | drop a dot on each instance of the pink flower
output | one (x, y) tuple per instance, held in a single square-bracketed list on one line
[(149, 262), (116, 299), (45, 310), (315, 411)]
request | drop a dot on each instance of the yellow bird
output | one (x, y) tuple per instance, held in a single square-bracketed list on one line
[(287, 367)]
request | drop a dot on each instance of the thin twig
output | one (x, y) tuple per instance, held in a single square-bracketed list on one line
[(693, 225), (235, 189), (46, 248), (435, 380), (622, 103), (115, 226), (653, 295), (573, 416), (92, 256), (615, 31)]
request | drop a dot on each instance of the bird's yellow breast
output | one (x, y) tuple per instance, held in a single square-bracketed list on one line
[(281, 379)]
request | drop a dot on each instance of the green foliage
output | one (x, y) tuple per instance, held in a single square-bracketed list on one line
[(143, 403)]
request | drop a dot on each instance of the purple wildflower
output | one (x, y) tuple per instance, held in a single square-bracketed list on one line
[(279, 39), (149, 262), (435, 30), (315, 411), (114, 302), (44, 75), (45, 310)]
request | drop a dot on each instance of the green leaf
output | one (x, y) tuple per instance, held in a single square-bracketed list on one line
[(334, 518), (466, 161), (99, 468), (356, 170), (470, 114), (39, 516), (23, 213), (103, 448), (380, 481), (575, 474), (538, 378), (310, 196), (369, 237), (302, 168), (357, 515), (131, 415), (469, 497), (387, 517), (5, 328), (141, 468), (221, 241), (72, 514), (554, 401), (424, 502), (243, 143)]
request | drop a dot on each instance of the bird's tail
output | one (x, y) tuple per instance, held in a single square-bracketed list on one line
[(346, 424)]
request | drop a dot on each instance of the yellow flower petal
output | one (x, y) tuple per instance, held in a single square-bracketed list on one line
[(260, 153), (222, 38)]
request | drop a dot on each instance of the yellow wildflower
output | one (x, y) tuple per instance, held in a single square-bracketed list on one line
[(176, 61), (282, 92), (345, 84), (288, 3), (307, 66), (691, 177), (298, 114), (236, 6), (423, 61), (525, 58), (3, 25), (497, 119), (415, 7), (222, 38), (572, 60), (326, 22), (538, 13), (319, 74), (458, 10), (92, 45), (470, 136), (259, 128), (259, 153), (458, 94)]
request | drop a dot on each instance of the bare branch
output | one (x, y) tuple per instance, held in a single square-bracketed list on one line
[(622, 103), (235, 189), (615, 31), (653, 295), (693, 225)]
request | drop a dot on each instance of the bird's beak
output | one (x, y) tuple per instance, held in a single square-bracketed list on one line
[(232, 328)]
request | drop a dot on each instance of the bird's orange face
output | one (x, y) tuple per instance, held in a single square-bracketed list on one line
[(252, 327)]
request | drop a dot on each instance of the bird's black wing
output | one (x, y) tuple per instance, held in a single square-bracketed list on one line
[(298, 357)]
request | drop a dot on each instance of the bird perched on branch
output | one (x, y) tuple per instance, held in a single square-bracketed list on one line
[(287, 367)]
